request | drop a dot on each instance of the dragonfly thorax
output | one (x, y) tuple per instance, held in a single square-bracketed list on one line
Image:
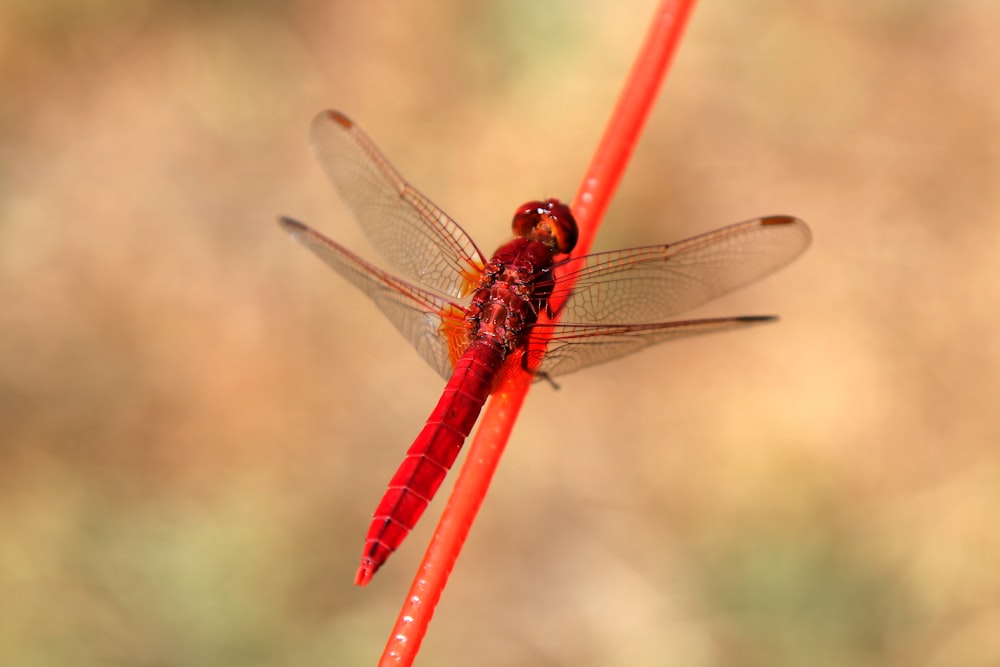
[(514, 288)]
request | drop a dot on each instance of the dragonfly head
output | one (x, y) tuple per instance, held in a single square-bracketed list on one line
[(549, 222)]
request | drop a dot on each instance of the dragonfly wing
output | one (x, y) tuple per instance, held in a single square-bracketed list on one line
[(576, 346), (432, 324), (414, 236), (653, 283)]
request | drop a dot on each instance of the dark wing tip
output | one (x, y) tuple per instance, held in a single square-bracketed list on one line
[(336, 117), (793, 222), (291, 225), (757, 318), (780, 220)]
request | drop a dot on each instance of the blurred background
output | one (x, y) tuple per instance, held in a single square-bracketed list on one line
[(197, 417)]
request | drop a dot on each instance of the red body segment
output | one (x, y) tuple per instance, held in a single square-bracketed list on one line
[(431, 455)]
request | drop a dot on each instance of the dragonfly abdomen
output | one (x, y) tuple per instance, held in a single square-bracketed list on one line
[(432, 453)]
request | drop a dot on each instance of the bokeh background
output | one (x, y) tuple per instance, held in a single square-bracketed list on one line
[(197, 417)]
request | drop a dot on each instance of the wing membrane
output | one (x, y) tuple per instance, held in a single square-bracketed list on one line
[(643, 285), (414, 236), (424, 318), (576, 346)]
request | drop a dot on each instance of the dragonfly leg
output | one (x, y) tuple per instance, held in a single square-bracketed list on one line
[(548, 378), (538, 374)]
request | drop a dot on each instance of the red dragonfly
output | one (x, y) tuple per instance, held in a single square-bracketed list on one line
[(473, 319)]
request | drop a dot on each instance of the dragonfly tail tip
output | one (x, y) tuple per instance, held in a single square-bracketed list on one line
[(364, 574)]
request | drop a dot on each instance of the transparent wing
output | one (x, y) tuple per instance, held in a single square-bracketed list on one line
[(432, 324), (414, 236), (653, 283), (576, 346)]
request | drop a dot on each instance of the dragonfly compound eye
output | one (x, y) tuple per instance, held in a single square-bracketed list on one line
[(549, 222)]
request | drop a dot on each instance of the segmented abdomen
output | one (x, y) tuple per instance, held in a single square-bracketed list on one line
[(432, 453)]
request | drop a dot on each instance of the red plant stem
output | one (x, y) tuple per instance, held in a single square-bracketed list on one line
[(592, 199), (628, 118)]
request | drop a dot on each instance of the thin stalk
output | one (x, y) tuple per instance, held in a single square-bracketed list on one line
[(592, 199)]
